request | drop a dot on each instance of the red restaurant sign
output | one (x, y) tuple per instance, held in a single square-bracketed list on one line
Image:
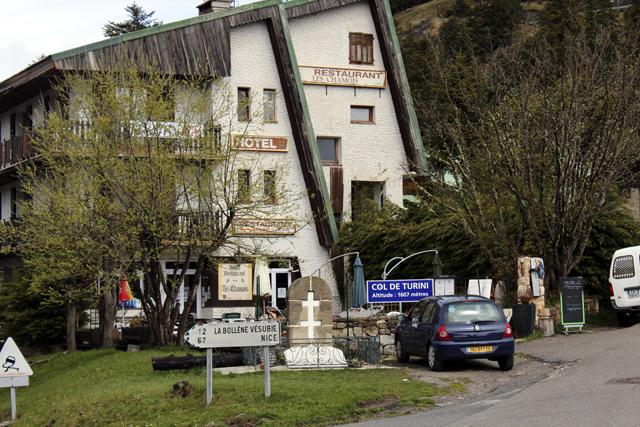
[(264, 226), (343, 77), (261, 143)]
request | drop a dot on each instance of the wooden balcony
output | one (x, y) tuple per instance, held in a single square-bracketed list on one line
[(207, 224), (15, 150)]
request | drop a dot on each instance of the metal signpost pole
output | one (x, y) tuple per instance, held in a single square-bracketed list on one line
[(209, 374), (16, 371), (237, 334), (267, 375), (13, 403)]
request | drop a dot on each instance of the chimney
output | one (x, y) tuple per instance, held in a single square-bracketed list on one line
[(214, 6)]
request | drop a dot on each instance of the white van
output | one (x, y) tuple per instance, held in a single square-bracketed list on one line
[(624, 284)]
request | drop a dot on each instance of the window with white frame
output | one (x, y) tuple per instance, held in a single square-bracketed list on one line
[(244, 185), (269, 105), (270, 186), (244, 103)]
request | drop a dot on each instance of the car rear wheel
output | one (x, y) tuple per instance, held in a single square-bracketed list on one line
[(400, 353), (435, 364), (624, 320), (505, 363)]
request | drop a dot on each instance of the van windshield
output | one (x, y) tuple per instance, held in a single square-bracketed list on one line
[(462, 312)]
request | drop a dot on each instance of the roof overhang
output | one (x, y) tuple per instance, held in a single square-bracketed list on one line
[(27, 84)]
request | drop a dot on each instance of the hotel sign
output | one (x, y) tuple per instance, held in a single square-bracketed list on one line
[(256, 226), (261, 143), (343, 77), (234, 282)]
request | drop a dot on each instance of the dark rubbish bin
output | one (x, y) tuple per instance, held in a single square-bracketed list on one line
[(523, 319)]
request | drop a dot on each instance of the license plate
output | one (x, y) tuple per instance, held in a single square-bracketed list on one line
[(633, 293), (483, 349)]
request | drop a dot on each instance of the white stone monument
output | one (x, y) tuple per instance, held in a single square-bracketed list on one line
[(310, 325)]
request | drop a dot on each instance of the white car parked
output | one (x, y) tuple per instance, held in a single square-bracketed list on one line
[(624, 284)]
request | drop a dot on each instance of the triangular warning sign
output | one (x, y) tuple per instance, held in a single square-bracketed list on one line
[(12, 362)]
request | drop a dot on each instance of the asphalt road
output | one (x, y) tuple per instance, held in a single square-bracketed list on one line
[(593, 380)]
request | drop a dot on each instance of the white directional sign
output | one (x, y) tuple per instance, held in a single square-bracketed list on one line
[(236, 334), (14, 368)]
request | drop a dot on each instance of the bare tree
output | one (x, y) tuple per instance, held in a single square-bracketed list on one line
[(530, 143)]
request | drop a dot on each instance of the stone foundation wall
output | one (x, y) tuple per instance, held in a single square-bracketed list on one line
[(383, 327)]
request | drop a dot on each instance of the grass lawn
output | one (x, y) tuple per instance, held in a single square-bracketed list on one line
[(108, 387)]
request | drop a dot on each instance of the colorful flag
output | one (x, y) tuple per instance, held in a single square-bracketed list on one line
[(125, 292)]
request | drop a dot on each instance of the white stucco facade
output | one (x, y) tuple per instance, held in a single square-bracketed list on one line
[(369, 152), (372, 151)]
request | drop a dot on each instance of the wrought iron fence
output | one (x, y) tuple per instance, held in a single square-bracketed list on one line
[(356, 351)]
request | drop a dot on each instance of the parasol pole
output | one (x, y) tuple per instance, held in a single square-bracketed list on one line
[(258, 298), (346, 285)]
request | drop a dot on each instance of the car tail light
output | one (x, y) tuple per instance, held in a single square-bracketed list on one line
[(443, 335), (508, 333), (611, 290)]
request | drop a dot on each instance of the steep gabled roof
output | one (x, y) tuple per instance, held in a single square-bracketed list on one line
[(201, 46)]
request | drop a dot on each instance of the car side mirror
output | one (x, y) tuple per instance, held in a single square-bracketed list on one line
[(401, 317)]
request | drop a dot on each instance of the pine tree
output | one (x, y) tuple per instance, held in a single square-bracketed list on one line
[(138, 20), (494, 24)]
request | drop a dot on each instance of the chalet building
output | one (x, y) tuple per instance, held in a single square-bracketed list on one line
[(330, 79)]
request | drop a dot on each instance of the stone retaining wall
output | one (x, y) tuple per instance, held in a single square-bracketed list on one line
[(383, 327)]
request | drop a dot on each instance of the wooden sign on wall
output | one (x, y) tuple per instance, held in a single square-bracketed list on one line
[(235, 282)]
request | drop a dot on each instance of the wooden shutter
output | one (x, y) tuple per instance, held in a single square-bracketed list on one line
[(27, 121), (367, 48), (361, 48), (355, 47), (12, 125), (14, 203), (337, 190)]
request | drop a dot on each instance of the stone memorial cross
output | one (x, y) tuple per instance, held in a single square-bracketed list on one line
[(309, 309), (310, 303)]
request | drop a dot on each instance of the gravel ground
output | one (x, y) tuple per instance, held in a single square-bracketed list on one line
[(481, 376), (477, 376)]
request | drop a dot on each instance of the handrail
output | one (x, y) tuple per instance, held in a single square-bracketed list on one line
[(339, 256), (385, 274)]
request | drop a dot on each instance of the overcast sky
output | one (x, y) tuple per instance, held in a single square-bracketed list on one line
[(31, 28)]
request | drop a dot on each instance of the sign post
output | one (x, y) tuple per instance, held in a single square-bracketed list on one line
[(267, 373), (398, 290), (237, 334), (572, 303), (15, 371)]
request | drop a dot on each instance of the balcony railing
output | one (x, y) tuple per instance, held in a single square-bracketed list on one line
[(16, 149), (201, 225), (183, 142)]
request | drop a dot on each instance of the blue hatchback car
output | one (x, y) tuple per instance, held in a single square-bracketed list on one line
[(455, 327)]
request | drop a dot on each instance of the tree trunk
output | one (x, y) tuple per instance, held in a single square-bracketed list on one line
[(192, 295), (71, 317), (107, 309)]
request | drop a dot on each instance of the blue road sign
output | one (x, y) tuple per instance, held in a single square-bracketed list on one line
[(398, 290)]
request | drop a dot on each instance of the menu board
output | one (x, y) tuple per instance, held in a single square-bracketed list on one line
[(480, 287), (572, 300), (444, 285)]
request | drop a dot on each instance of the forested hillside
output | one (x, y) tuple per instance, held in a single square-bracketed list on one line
[(529, 115), (426, 17)]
